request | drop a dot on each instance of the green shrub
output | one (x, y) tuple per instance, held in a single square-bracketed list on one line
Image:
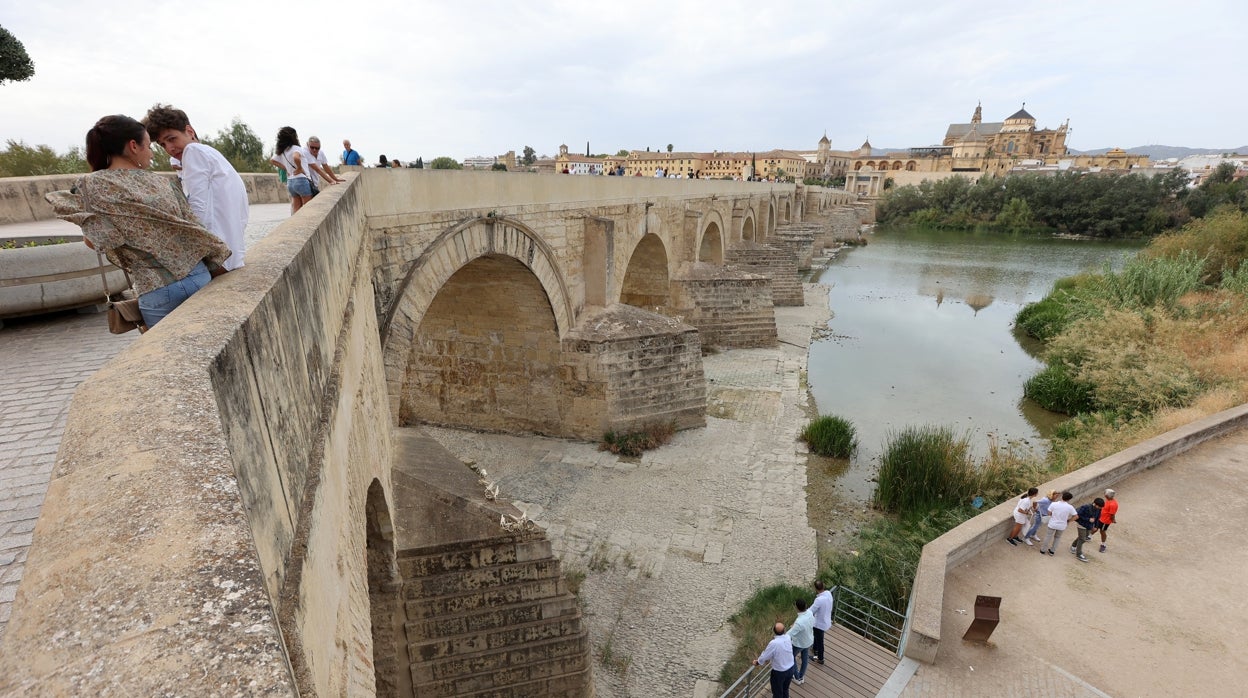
[(1221, 239), (882, 565), (832, 436), (1072, 298), (634, 443), (923, 468), (1147, 282), (1237, 280), (1055, 389)]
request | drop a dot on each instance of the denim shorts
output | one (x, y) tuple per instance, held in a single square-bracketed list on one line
[(158, 303), (299, 186)]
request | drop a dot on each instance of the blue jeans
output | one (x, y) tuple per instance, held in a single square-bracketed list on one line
[(801, 668), (155, 305), (1035, 525)]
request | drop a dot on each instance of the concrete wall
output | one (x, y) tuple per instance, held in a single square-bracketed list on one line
[(922, 636), (21, 198)]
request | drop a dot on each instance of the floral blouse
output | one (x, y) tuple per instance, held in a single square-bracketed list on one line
[(142, 223)]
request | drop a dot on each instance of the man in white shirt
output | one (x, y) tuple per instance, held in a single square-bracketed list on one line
[(318, 166), (1060, 514), (822, 610), (780, 653), (216, 193)]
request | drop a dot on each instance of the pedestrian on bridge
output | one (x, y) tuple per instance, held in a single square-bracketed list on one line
[(780, 653), (141, 221)]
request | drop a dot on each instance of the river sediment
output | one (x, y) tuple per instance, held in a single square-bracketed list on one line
[(670, 544)]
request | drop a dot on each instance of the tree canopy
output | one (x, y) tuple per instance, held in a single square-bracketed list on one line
[(445, 163), (15, 63), (530, 155), (1099, 205), (241, 146), (21, 160)]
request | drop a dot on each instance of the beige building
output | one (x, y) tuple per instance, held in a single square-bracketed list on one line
[(978, 148)]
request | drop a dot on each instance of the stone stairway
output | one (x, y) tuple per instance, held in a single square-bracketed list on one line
[(775, 263), (493, 617), (799, 238)]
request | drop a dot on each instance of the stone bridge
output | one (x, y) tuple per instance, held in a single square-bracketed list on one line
[(236, 508)]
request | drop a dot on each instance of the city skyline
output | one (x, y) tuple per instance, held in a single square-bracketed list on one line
[(480, 79)]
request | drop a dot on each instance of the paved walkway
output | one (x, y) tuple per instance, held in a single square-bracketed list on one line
[(1162, 612), (43, 359)]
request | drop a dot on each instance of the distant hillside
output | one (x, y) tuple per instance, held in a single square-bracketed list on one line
[(1161, 152)]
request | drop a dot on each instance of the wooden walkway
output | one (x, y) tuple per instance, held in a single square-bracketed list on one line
[(854, 667)]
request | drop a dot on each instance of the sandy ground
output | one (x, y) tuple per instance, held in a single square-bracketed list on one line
[(1161, 613)]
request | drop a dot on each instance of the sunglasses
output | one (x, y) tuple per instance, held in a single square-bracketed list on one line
[(314, 147)]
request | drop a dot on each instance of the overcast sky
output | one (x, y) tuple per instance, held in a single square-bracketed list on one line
[(481, 77)]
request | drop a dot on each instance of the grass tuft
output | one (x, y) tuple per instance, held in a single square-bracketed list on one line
[(634, 443), (831, 436)]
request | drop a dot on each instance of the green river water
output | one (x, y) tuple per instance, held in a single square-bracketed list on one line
[(922, 333)]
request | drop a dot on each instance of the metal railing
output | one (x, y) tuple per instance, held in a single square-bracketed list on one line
[(750, 683), (877, 623)]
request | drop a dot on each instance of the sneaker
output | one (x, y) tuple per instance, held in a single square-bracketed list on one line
[(1072, 550), (1102, 547), (1013, 542), (799, 682), (1083, 558), (1028, 541), (820, 660), (1051, 552)]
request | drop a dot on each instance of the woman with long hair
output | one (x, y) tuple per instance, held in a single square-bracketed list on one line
[(289, 156), (140, 220)]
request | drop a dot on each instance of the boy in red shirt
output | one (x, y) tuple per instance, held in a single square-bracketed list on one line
[(1108, 515)]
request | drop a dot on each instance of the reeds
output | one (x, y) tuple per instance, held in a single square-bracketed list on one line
[(831, 436)]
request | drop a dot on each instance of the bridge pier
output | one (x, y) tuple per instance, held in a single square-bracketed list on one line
[(730, 308)]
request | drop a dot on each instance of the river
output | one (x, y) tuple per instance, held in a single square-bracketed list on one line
[(922, 333)]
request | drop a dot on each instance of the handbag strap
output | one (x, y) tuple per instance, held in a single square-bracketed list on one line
[(103, 278)]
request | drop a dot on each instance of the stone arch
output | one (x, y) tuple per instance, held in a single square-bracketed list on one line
[(384, 604), (858, 165), (912, 166), (647, 280), (897, 165), (747, 228), (771, 218), (1114, 164), (452, 250), (486, 354), (711, 244), (788, 211)]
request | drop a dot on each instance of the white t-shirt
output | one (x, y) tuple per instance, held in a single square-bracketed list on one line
[(1025, 505), (1059, 514), (287, 157), (217, 196), (319, 159)]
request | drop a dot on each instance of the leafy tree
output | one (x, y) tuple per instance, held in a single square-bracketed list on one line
[(241, 146), (445, 163), (15, 63), (530, 155), (623, 152), (669, 147), (21, 160), (420, 164), (498, 167)]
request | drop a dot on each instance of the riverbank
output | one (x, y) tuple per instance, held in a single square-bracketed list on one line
[(671, 544)]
